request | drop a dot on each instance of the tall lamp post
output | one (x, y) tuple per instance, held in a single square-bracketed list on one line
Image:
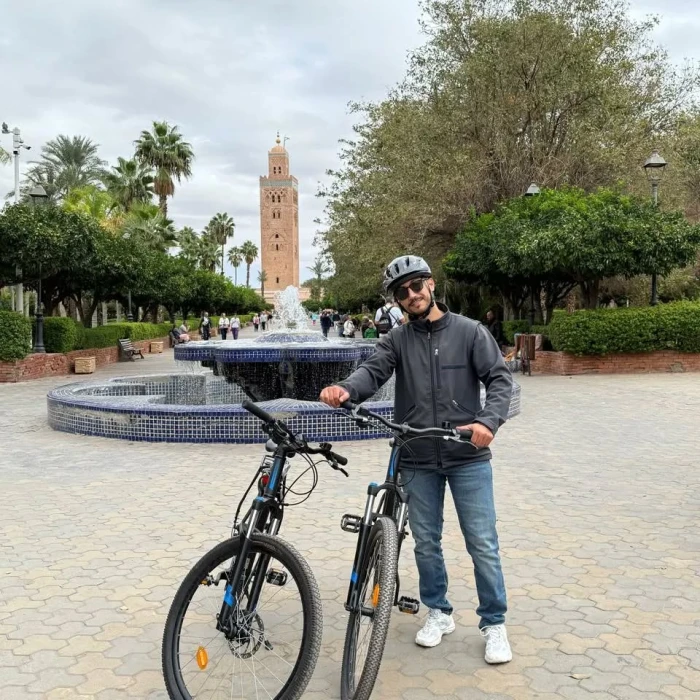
[(17, 145), (38, 196), (654, 169), (532, 191)]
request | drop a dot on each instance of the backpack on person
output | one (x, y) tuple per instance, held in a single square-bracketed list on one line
[(385, 322)]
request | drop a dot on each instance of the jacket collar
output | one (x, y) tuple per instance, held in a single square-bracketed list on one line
[(425, 326)]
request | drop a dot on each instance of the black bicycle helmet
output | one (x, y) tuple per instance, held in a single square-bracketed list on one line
[(402, 269)]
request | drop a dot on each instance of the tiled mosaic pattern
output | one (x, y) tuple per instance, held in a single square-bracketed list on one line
[(196, 408)]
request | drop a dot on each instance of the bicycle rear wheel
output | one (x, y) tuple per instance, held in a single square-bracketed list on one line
[(368, 627), (273, 646)]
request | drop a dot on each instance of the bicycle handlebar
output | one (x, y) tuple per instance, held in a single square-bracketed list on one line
[(449, 433)]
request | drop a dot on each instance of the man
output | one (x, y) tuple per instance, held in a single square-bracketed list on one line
[(204, 326), (326, 322), (387, 317), (235, 326), (439, 359), (263, 320), (495, 328), (224, 324)]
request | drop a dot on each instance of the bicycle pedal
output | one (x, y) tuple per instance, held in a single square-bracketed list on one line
[(410, 606), (350, 523), (276, 578)]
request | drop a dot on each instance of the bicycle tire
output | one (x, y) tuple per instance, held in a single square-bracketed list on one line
[(384, 538), (311, 605)]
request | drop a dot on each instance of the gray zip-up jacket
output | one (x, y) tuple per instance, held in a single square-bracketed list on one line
[(438, 368)]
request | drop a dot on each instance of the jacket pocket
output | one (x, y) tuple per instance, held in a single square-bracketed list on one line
[(408, 413), (463, 409)]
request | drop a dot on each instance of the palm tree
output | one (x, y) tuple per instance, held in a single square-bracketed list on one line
[(262, 278), (208, 253), (249, 251), (235, 257), (90, 200), (5, 157), (129, 182), (170, 157), (146, 221), (68, 162), (188, 241), (319, 268), (220, 229)]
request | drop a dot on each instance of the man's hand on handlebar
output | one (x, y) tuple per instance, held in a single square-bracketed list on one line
[(481, 435), (334, 396)]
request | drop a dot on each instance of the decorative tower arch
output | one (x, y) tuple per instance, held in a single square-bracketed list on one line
[(279, 222)]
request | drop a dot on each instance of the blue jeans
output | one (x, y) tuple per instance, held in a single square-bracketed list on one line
[(472, 491)]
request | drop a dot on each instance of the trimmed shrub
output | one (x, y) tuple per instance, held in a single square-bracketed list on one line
[(61, 334), (107, 336), (611, 331), (15, 336)]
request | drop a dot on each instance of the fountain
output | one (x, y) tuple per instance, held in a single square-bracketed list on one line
[(285, 368)]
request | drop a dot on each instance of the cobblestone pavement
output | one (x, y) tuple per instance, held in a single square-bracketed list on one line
[(597, 490)]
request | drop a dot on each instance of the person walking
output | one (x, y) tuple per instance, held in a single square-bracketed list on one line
[(326, 322), (204, 326), (387, 317), (256, 322), (440, 359), (235, 326), (224, 324), (263, 320)]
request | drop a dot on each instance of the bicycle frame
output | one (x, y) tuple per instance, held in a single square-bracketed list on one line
[(394, 492), (238, 574)]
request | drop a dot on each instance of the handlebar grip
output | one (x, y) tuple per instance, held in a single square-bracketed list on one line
[(465, 434), (339, 458), (258, 412), (348, 405)]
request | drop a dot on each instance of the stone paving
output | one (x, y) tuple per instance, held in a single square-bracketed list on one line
[(597, 490)]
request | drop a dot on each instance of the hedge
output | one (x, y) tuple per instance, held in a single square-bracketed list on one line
[(609, 331), (15, 336), (61, 334)]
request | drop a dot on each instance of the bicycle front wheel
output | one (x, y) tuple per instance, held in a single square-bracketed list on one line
[(368, 626), (272, 638)]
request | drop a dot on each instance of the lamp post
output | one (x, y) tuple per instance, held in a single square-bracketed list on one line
[(532, 191), (129, 315), (17, 145), (38, 196), (654, 169)]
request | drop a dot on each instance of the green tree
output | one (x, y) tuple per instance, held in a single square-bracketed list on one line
[(146, 222), (188, 242), (249, 251), (129, 182), (164, 150), (235, 257), (220, 228), (90, 200), (66, 163), (208, 253), (503, 92), (262, 278)]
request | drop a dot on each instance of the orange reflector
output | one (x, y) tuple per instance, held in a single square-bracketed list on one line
[(375, 595), (202, 658)]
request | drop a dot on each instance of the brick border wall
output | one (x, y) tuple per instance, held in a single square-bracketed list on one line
[(58, 364), (564, 363)]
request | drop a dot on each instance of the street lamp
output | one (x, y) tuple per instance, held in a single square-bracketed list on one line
[(38, 196), (654, 169), (532, 191), (129, 315)]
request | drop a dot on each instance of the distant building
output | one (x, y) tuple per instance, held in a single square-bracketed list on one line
[(279, 224)]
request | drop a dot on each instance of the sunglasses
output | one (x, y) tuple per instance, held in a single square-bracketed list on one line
[(416, 286)]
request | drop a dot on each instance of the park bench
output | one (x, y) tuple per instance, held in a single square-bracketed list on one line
[(128, 349)]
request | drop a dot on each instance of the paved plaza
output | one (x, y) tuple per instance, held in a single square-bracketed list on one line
[(599, 509)]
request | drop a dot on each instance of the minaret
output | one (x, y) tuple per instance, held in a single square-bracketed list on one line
[(279, 222)]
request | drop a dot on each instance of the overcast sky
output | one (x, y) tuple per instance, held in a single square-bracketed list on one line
[(229, 73)]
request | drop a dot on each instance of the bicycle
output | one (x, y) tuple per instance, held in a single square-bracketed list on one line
[(234, 624), (374, 582)]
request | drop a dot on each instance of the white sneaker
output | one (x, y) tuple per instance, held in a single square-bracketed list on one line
[(437, 624), (497, 647)]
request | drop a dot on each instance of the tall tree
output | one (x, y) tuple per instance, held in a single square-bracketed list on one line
[(235, 257), (503, 92), (164, 150), (249, 251), (262, 278), (188, 242), (146, 223), (129, 182), (207, 253), (5, 157), (220, 229), (66, 163)]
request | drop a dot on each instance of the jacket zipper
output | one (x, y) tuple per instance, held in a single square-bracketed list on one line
[(432, 392)]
